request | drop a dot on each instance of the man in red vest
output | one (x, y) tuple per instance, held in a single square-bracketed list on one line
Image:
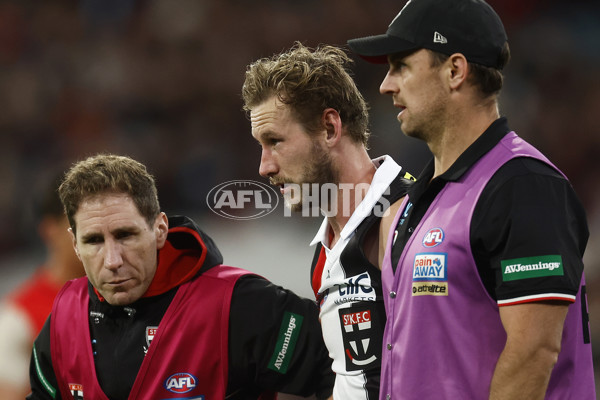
[(158, 315)]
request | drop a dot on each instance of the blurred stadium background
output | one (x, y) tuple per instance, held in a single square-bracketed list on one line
[(159, 80)]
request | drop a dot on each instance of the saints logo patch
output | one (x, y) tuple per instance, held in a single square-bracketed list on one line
[(362, 332), (76, 391), (150, 333)]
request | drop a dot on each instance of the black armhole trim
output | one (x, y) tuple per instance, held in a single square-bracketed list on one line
[(585, 316)]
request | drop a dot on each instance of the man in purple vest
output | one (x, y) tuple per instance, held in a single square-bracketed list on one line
[(483, 273), (158, 316)]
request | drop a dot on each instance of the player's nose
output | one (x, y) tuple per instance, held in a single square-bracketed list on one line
[(268, 166), (387, 85)]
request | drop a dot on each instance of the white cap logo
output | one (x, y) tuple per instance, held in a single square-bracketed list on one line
[(439, 38)]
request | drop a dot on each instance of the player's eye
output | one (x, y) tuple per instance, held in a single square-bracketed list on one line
[(93, 239)]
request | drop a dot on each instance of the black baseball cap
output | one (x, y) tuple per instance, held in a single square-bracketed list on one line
[(469, 27)]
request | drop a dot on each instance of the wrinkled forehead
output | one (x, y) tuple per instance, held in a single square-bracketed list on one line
[(104, 198), (268, 115), (107, 205)]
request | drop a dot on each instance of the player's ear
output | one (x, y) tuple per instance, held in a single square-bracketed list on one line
[(456, 68), (161, 229), (333, 126)]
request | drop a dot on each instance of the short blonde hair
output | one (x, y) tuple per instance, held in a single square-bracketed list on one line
[(309, 81)]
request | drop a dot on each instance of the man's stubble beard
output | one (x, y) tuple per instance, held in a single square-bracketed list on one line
[(320, 170)]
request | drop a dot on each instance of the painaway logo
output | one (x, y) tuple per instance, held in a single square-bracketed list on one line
[(242, 199)]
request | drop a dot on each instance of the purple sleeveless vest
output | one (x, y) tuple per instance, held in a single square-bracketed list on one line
[(189, 353), (444, 335)]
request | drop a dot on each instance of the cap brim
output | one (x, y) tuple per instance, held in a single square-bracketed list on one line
[(375, 49)]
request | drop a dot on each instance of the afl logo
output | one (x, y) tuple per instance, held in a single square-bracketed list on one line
[(242, 199), (433, 237), (181, 382)]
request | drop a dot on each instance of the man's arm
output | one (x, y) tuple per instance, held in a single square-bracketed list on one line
[(9, 391), (534, 333), (376, 239), (275, 342), (15, 349), (529, 210), (41, 373)]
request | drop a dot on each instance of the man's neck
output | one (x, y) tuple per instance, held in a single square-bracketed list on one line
[(356, 172), (458, 134)]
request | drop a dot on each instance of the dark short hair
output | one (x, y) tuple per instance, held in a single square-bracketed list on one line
[(488, 80), (107, 173), (309, 81)]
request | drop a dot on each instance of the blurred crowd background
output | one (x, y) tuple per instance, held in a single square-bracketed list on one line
[(159, 80)]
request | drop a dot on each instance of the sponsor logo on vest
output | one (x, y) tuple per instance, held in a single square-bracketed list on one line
[(76, 391), (430, 266), (430, 289), (433, 237), (181, 382), (430, 275), (284, 348), (531, 267)]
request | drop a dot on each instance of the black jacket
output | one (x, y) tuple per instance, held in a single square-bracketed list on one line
[(257, 309)]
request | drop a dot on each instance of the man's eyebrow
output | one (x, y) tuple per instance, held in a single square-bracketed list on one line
[(400, 57), (118, 231), (266, 135), (89, 236), (125, 229), (397, 58)]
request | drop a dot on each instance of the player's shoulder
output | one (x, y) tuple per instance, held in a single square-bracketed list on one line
[(526, 167), (527, 175), (399, 186)]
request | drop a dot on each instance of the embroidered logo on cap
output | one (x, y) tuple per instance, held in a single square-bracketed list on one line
[(439, 38)]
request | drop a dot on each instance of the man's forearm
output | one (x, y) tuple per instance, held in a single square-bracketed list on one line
[(534, 333), (522, 376)]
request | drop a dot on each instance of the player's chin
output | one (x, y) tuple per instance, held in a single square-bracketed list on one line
[(123, 296)]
